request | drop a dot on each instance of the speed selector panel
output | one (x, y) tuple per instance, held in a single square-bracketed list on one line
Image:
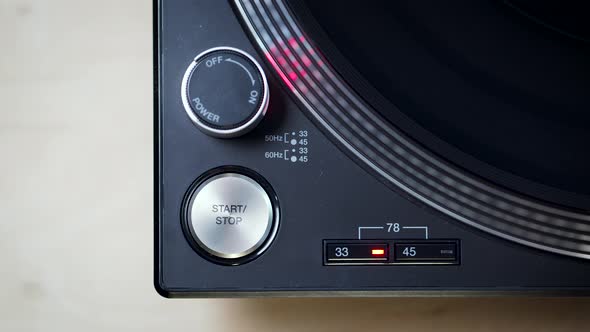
[(225, 92)]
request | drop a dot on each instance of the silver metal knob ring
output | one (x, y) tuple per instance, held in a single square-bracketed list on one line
[(242, 129)]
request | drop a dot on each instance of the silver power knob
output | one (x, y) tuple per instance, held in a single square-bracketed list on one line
[(225, 92)]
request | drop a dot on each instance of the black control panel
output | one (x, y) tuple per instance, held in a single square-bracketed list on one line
[(256, 196)]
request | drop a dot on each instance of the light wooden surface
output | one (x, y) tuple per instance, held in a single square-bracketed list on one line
[(76, 193)]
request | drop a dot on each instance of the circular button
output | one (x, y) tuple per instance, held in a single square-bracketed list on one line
[(230, 216), (225, 92)]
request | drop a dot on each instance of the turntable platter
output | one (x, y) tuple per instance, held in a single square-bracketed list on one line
[(491, 89)]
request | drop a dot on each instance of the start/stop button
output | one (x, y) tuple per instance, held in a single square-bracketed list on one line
[(231, 216)]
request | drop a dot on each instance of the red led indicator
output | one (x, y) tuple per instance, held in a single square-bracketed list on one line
[(377, 252)]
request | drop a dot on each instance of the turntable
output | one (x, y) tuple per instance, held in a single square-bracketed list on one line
[(328, 148)]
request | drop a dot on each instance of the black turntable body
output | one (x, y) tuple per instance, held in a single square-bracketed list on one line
[(333, 148)]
